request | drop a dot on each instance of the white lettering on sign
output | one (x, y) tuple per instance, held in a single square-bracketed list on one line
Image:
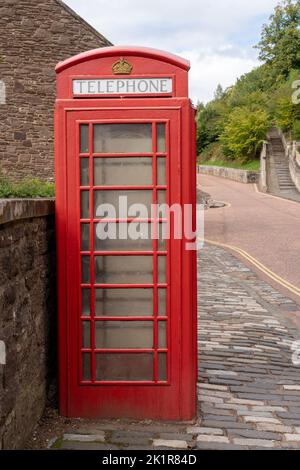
[(124, 86)]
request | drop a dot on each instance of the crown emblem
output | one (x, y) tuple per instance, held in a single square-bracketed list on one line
[(122, 67)]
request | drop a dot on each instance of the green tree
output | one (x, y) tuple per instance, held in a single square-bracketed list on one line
[(280, 106), (219, 93), (244, 132), (280, 39), (296, 130), (237, 119)]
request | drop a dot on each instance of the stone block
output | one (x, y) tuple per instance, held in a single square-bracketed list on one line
[(173, 444), (212, 438), (254, 442)]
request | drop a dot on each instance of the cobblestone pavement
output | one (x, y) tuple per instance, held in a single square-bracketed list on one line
[(249, 389)]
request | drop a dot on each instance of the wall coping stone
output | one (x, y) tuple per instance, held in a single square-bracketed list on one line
[(16, 209), (235, 174)]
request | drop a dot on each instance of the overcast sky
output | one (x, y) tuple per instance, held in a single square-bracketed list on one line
[(215, 35)]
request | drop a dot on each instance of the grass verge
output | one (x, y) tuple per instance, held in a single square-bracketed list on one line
[(28, 188), (253, 165)]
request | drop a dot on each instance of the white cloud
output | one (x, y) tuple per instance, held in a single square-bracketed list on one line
[(209, 71), (216, 37)]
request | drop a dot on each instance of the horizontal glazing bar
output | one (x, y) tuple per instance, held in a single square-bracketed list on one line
[(124, 286), (131, 219), (165, 319), (126, 382), (128, 220), (123, 188), (117, 351), (131, 253), (126, 155), (123, 253), (116, 318), (125, 121)]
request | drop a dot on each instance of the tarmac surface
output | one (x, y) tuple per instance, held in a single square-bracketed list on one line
[(266, 227)]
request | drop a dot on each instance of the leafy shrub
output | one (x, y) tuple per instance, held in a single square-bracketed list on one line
[(28, 188), (284, 113), (210, 119), (296, 130), (212, 152), (244, 132)]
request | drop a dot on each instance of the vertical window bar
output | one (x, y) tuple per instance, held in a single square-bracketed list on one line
[(79, 353), (92, 249), (167, 150), (155, 248)]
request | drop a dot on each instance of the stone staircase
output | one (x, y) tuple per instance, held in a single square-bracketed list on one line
[(279, 178)]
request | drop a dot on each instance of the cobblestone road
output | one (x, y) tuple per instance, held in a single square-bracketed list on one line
[(249, 389)]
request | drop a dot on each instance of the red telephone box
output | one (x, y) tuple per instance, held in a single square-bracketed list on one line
[(124, 126)]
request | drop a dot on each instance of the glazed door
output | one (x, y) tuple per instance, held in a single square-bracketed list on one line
[(123, 276)]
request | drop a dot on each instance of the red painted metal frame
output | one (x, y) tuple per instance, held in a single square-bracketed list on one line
[(154, 253), (130, 51), (175, 398)]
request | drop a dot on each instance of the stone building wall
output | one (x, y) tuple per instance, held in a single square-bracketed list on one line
[(35, 36), (27, 316)]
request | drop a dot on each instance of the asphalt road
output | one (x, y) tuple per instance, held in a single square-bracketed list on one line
[(266, 227)]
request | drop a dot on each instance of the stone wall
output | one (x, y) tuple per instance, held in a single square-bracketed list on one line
[(294, 164), (35, 36), (242, 176), (27, 316)]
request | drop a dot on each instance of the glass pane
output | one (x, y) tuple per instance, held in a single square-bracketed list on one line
[(161, 137), (85, 266), (132, 171), (123, 302), (84, 172), (123, 334), (86, 302), (86, 334), (85, 237), (122, 138), (84, 138), (161, 172), (143, 197), (161, 201), (162, 269), (162, 366), (86, 366), (162, 302), (137, 367), (135, 236), (162, 234), (162, 334), (123, 269), (85, 204)]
